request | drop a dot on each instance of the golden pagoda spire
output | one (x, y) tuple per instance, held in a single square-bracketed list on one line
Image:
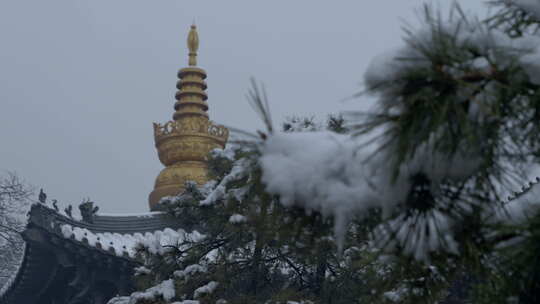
[(183, 143), (191, 95), (193, 45)]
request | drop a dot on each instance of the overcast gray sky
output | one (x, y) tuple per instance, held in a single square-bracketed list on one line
[(82, 81)]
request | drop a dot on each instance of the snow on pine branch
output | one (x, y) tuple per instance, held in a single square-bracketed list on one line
[(494, 46), (530, 6), (238, 171), (205, 289), (237, 219), (522, 207), (341, 176), (319, 171), (163, 290), (187, 272)]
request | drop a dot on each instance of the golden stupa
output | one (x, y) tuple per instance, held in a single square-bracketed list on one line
[(183, 143)]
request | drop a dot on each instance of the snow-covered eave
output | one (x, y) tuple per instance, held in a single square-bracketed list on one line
[(125, 245), (108, 249), (97, 237), (53, 229)]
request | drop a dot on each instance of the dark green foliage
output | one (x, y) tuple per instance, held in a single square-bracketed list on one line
[(276, 254), (454, 106), (420, 198), (218, 166), (513, 267), (443, 100)]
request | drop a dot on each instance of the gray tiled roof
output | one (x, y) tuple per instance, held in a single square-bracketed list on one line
[(133, 224), (122, 224)]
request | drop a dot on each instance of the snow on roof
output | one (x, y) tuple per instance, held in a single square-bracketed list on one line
[(126, 244)]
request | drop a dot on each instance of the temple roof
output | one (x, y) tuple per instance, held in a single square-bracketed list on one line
[(117, 234), (107, 239)]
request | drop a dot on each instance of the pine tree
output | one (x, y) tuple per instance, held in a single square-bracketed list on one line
[(403, 204)]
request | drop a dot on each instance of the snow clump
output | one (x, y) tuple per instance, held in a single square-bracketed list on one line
[(237, 219), (163, 290), (206, 289), (238, 171), (189, 270), (329, 173)]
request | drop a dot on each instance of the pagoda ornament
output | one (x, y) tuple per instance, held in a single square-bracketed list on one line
[(184, 143)]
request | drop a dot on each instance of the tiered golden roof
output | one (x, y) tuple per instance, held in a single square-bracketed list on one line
[(183, 144)]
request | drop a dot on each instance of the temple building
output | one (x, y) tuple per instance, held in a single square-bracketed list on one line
[(92, 259)]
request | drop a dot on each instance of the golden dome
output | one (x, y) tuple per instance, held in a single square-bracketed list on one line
[(183, 143)]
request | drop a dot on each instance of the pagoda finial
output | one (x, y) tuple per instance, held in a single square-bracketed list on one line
[(193, 45)]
